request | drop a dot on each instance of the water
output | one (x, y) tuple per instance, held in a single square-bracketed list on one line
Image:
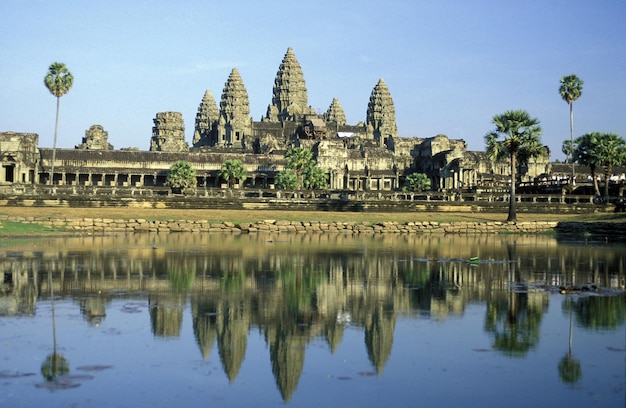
[(312, 320)]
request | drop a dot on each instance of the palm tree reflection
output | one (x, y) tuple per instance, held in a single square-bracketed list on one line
[(569, 367), (55, 364), (515, 319)]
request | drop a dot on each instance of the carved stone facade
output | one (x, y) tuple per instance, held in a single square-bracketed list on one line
[(369, 155)]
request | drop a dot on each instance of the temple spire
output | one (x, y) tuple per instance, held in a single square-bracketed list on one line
[(235, 124), (381, 114), (335, 113), (206, 118), (289, 96)]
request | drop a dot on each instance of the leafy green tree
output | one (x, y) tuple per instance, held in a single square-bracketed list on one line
[(299, 159), (232, 170), (182, 176), (287, 180), (582, 153), (571, 89), (314, 177), (568, 149), (416, 182), (59, 81), (521, 138), (608, 150)]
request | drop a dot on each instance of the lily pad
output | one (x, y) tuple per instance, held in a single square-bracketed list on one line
[(94, 367), (5, 374), (57, 385)]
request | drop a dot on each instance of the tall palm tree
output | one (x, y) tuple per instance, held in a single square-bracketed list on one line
[(59, 81), (608, 150), (521, 138), (571, 89)]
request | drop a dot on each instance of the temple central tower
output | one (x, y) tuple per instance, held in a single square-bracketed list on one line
[(289, 96), (381, 115)]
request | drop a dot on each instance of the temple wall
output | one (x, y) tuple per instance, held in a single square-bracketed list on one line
[(19, 157)]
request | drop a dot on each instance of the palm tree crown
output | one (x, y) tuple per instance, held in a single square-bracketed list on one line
[(571, 88), (232, 170), (59, 79)]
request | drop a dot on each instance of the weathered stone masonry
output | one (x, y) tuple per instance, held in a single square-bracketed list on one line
[(139, 225)]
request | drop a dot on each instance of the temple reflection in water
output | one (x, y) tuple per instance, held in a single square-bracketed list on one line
[(295, 289)]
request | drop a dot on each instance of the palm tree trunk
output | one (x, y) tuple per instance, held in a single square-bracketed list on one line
[(512, 215), (607, 177), (571, 134), (596, 189), (54, 143)]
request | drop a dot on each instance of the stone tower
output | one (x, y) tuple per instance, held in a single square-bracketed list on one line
[(289, 96), (381, 115), (96, 138), (235, 123), (335, 113), (206, 118), (168, 133)]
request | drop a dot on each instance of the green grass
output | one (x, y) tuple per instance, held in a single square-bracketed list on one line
[(10, 228)]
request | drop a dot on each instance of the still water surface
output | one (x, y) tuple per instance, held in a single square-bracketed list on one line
[(311, 320)]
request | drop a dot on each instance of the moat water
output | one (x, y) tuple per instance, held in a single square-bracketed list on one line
[(312, 320)]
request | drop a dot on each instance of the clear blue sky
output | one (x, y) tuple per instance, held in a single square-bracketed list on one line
[(450, 65)]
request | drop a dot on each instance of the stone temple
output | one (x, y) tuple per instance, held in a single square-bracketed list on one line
[(369, 155)]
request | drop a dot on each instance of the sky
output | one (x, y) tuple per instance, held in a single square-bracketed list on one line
[(450, 65)]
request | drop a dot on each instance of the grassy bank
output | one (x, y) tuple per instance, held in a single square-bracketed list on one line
[(19, 229)]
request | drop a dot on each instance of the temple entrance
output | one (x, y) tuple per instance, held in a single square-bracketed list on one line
[(8, 171)]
